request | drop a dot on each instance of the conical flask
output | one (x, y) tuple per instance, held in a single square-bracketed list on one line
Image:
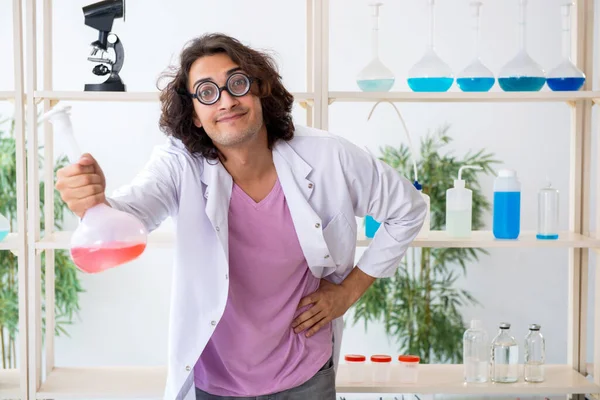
[(375, 77), (430, 73), (476, 77), (522, 73), (566, 76), (105, 237), (4, 227)]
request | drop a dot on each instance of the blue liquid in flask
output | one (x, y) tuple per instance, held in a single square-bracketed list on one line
[(522, 83), (375, 85), (371, 226), (3, 234), (507, 215), (475, 84), (546, 237), (565, 84), (430, 84)]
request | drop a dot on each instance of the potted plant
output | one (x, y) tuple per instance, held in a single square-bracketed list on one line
[(67, 285)]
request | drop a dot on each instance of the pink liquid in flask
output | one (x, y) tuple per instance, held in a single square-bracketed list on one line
[(109, 255)]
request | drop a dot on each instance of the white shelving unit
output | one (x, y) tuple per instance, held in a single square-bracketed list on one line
[(148, 382), (13, 382)]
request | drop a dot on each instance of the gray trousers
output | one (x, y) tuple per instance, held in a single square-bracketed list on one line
[(320, 387)]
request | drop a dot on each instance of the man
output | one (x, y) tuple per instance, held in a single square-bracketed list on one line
[(266, 230)]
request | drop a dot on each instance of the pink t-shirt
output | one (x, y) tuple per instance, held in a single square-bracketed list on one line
[(254, 350)]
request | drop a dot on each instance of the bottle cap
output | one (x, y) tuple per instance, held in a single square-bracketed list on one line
[(534, 327), (504, 325), (507, 173)]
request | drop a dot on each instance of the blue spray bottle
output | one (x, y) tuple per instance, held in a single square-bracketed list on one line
[(507, 205)]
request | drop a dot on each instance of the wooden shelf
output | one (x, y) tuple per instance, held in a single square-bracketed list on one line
[(104, 383), (485, 239), (120, 96), (479, 97), (436, 239), (11, 242), (62, 240), (7, 95), (148, 383), (10, 385), (448, 379)]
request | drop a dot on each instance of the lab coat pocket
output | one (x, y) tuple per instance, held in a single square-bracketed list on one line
[(341, 240)]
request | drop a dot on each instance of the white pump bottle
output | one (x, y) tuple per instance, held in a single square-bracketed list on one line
[(459, 207)]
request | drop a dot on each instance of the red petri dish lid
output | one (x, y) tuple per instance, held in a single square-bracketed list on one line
[(381, 358), (409, 358), (355, 357)]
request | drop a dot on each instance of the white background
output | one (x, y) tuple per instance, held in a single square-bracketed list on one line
[(125, 310)]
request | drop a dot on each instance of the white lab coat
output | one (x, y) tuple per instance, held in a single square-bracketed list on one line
[(327, 181)]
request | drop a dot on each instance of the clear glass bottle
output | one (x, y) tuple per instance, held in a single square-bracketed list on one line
[(566, 76), (476, 77), (504, 360), (535, 355), (548, 211), (375, 77), (430, 73), (475, 353), (522, 73)]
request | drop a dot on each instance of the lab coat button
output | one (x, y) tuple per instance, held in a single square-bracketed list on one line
[(310, 185), (317, 225), (213, 323), (188, 368), (226, 276), (327, 256), (217, 229)]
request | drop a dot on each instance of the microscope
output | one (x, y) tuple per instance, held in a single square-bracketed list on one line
[(108, 49)]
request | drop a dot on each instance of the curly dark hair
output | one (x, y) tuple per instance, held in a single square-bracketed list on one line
[(177, 110)]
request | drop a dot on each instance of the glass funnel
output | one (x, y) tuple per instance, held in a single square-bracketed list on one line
[(566, 76), (476, 77), (430, 73), (522, 73), (375, 77)]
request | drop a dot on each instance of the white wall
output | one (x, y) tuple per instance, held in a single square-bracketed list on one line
[(124, 311)]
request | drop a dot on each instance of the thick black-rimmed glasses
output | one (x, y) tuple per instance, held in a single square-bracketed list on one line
[(208, 92)]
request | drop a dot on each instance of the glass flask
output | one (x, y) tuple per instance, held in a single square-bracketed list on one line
[(476, 77), (4, 227), (430, 73), (375, 77), (504, 361), (105, 237), (535, 355), (566, 76), (522, 73)]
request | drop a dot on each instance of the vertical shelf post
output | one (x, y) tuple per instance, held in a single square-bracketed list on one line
[(33, 226), (19, 129)]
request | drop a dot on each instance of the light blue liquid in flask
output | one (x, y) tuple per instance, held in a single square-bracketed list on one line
[(507, 205), (476, 77), (475, 84), (430, 73), (375, 85)]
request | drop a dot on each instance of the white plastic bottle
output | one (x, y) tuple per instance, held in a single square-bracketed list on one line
[(459, 207), (476, 353), (424, 232)]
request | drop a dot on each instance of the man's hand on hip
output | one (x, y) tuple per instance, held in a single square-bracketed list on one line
[(330, 301)]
